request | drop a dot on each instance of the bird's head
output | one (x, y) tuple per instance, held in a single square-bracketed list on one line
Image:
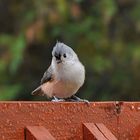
[(62, 53)]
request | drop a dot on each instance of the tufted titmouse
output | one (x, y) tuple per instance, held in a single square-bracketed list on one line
[(64, 77)]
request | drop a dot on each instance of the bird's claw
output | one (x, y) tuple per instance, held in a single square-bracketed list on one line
[(55, 99), (74, 98)]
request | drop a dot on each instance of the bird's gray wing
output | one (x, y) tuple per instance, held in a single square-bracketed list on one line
[(48, 75)]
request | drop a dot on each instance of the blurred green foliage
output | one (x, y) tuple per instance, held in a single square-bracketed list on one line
[(105, 34)]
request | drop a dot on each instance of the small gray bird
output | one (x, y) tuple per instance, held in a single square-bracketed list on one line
[(64, 77)]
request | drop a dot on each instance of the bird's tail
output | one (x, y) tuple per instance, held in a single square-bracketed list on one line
[(37, 91)]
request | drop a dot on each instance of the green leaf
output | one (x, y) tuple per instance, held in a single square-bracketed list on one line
[(108, 8), (17, 48), (100, 64), (6, 39), (9, 92)]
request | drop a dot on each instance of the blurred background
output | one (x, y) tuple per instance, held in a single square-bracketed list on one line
[(105, 34)]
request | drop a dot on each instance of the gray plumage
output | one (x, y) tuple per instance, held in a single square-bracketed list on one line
[(47, 76)]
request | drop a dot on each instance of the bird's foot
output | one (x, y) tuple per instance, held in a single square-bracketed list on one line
[(74, 98), (55, 99)]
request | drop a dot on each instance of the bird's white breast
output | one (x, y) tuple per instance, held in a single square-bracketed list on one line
[(71, 73), (68, 78)]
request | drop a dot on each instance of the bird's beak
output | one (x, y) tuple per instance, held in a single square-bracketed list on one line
[(58, 58), (58, 61)]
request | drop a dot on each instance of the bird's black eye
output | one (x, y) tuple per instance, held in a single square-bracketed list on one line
[(64, 55)]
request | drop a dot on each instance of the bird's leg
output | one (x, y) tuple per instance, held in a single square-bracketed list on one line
[(55, 99), (74, 98)]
